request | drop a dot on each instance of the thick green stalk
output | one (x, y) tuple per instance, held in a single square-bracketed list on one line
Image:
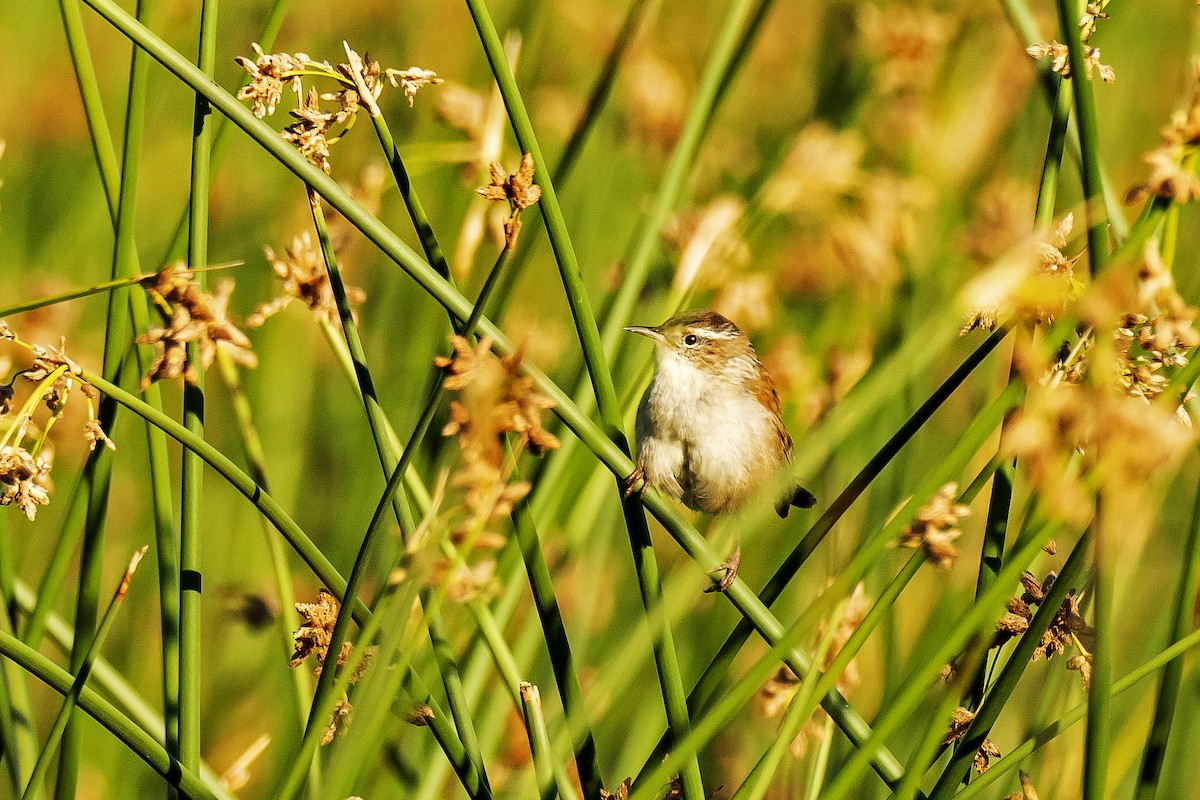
[(1069, 12), (71, 698), (139, 742), (115, 342), (539, 741), (645, 563), (1001, 690), (192, 472)]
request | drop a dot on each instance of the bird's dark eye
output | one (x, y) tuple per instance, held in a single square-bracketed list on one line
[(691, 339)]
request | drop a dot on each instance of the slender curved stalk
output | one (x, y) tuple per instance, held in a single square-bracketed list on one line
[(73, 294), (1168, 689), (72, 696), (1001, 690), (139, 742), (1018, 754)]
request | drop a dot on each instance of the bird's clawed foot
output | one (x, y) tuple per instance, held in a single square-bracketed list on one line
[(727, 571), (634, 483)]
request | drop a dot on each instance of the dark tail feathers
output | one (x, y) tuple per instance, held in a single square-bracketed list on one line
[(800, 498)]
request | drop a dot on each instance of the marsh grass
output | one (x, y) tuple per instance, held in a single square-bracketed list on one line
[(850, 195)]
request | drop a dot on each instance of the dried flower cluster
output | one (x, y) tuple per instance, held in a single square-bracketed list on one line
[(517, 189), (779, 691), (1066, 629), (1172, 164), (1034, 282), (1097, 418), (936, 526), (191, 315), (960, 721), (1059, 53), (359, 83), (305, 278), (493, 399), (313, 639), (24, 480), (25, 455)]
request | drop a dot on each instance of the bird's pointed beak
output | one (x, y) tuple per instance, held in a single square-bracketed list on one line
[(644, 330)]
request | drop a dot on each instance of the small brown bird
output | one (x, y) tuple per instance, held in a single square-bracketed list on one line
[(709, 431)]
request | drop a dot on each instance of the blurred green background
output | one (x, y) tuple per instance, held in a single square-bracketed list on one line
[(935, 132)]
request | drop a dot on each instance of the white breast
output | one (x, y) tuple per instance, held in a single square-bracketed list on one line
[(718, 431)]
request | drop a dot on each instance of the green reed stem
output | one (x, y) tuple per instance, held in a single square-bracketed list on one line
[(1001, 690), (1099, 723), (539, 740), (645, 562), (139, 742), (16, 721), (974, 622), (192, 468), (1017, 755), (81, 676), (412, 201), (558, 646), (1069, 12)]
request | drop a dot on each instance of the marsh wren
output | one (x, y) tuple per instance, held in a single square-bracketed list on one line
[(709, 431)]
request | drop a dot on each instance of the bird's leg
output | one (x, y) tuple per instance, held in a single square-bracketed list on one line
[(727, 570), (634, 482)]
